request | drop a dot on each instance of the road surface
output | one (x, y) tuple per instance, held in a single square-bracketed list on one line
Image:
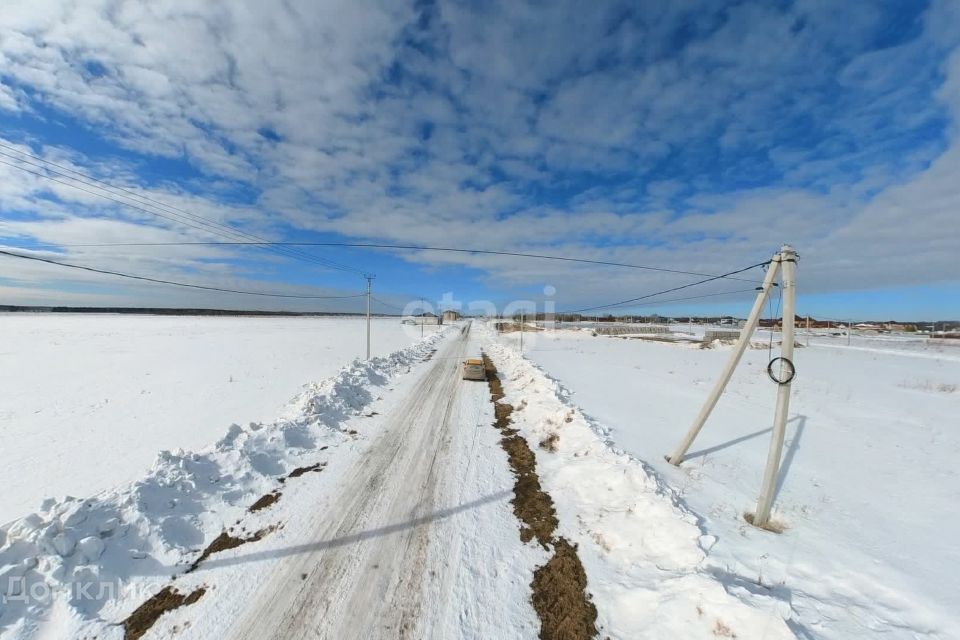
[(414, 539)]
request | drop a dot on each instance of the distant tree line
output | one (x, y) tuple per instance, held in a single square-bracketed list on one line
[(165, 311)]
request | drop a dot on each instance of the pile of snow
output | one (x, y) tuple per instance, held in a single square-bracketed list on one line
[(92, 561), (643, 552)]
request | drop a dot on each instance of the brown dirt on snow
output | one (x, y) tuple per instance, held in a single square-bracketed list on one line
[(147, 614), (551, 442), (773, 526), (265, 501), (299, 471), (559, 588), (150, 611), (531, 505), (559, 596), (225, 542)]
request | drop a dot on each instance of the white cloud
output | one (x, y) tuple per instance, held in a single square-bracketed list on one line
[(9, 100), (553, 127)]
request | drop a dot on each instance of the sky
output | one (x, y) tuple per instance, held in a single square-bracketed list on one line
[(689, 135)]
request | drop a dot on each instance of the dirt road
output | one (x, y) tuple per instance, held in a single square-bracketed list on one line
[(411, 542)]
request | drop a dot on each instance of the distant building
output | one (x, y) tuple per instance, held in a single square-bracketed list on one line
[(900, 326), (422, 318), (449, 316)]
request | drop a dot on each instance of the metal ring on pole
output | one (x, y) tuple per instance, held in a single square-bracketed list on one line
[(790, 371)]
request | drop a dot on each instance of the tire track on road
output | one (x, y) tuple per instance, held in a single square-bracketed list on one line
[(363, 578)]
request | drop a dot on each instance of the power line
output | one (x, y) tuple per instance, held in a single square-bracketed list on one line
[(94, 193), (283, 248), (178, 214), (410, 247), (386, 304), (171, 282), (214, 227), (706, 295), (153, 204), (658, 293)]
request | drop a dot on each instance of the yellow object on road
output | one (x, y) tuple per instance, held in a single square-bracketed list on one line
[(473, 369)]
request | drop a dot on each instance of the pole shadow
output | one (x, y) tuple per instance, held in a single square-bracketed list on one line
[(749, 436), (353, 538), (730, 443)]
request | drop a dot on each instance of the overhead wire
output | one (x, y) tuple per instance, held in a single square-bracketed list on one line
[(131, 205), (171, 213), (172, 282), (706, 295), (412, 247), (213, 227), (672, 289), (220, 230), (386, 304), (201, 224), (179, 215)]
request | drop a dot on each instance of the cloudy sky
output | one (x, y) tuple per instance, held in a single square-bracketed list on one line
[(688, 135)]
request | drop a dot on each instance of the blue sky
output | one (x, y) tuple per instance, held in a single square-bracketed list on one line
[(692, 135)]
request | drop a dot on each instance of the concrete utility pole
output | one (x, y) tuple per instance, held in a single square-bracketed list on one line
[(789, 283), (521, 332), (369, 278), (786, 259), (849, 330), (423, 310)]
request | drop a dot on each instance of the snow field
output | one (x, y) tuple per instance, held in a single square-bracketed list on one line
[(868, 476), (89, 400), (75, 564)]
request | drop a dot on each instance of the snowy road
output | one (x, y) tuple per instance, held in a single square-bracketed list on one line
[(395, 490), (415, 539)]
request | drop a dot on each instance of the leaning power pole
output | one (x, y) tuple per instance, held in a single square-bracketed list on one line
[(369, 277), (785, 260)]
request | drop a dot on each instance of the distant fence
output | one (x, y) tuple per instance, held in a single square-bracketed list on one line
[(620, 330), (720, 334)]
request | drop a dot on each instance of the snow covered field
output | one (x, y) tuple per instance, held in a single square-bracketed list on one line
[(410, 461), (869, 485), (89, 401)]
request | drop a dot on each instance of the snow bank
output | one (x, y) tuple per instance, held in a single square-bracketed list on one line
[(76, 385), (77, 563), (643, 552)]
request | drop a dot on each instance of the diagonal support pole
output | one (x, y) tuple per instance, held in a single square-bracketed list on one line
[(745, 336)]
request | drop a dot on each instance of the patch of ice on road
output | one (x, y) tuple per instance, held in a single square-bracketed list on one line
[(85, 564), (642, 550)]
